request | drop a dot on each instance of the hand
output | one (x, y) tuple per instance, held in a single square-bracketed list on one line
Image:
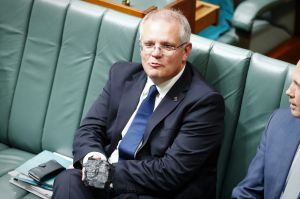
[(97, 173), (92, 155)]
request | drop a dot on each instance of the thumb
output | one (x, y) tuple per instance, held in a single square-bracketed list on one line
[(83, 174), (96, 157)]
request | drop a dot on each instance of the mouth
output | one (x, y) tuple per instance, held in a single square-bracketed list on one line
[(292, 105), (155, 64)]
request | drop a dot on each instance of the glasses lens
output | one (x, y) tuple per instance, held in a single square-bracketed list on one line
[(167, 50)]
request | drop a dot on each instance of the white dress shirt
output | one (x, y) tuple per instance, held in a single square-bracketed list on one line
[(292, 184), (162, 89)]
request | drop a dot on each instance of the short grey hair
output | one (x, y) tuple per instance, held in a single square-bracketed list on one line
[(170, 15)]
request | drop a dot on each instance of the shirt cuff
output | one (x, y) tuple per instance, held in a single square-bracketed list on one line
[(90, 154)]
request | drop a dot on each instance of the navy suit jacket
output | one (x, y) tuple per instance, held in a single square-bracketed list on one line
[(268, 170), (181, 143)]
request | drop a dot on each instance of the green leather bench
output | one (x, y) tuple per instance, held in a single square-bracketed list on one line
[(54, 59)]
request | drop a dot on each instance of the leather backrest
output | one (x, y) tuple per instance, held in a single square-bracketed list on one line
[(72, 76), (67, 51), (116, 41), (14, 18), (54, 61), (37, 69), (227, 71), (225, 67), (264, 91)]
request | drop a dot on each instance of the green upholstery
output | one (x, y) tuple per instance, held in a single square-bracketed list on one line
[(263, 93), (226, 69), (10, 158), (55, 56), (115, 42), (227, 72), (37, 69), (14, 17), (3, 146), (9, 190), (71, 79)]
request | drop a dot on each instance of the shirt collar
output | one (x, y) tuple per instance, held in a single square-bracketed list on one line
[(164, 87)]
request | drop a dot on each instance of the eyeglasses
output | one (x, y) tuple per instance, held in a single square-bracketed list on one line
[(165, 49)]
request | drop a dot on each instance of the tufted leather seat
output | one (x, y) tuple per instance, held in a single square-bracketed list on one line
[(54, 60)]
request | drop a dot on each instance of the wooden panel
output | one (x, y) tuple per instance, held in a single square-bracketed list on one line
[(206, 15), (287, 51), (187, 7), (122, 8), (199, 14)]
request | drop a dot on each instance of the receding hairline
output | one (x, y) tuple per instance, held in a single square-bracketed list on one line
[(164, 13), (173, 15)]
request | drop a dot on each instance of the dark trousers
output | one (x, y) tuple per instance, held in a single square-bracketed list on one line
[(68, 185)]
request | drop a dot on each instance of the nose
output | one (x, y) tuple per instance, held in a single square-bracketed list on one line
[(289, 91), (156, 51)]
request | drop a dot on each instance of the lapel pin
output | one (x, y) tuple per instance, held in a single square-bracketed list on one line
[(175, 99)]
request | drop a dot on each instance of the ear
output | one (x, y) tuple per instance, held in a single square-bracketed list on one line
[(187, 51)]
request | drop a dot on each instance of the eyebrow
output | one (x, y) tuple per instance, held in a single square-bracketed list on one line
[(297, 83), (296, 79), (160, 42)]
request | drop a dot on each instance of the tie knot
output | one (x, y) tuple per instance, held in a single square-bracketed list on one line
[(152, 91)]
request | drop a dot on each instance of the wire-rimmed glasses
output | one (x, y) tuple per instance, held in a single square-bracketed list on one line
[(165, 49)]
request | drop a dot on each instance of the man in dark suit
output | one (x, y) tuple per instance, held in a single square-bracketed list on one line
[(177, 155), (271, 172)]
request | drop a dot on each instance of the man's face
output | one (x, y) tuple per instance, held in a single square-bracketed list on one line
[(294, 92), (160, 66)]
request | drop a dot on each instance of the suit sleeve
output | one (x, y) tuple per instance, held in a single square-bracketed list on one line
[(94, 133), (252, 186), (91, 135), (198, 139)]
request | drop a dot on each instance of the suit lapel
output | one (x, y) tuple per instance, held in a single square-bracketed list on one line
[(289, 143), (169, 102), (128, 102)]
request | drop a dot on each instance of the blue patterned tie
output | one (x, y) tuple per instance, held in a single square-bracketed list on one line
[(134, 135)]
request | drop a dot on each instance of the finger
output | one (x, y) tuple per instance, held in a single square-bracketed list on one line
[(96, 157), (83, 174)]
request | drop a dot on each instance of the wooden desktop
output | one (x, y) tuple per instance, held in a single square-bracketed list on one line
[(199, 14)]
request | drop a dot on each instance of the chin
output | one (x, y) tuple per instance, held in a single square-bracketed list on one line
[(296, 113), (152, 73)]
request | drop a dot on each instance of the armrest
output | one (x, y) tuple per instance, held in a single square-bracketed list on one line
[(248, 10)]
